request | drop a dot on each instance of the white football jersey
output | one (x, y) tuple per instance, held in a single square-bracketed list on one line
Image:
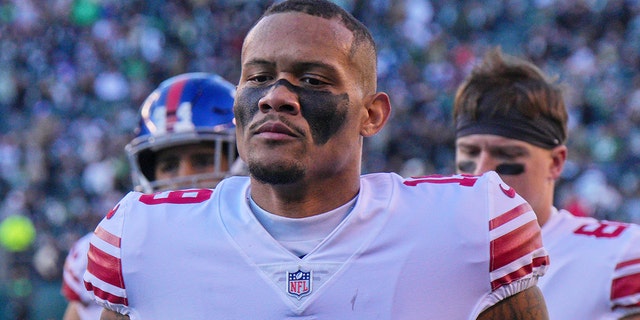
[(73, 288), (595, 267), (438, 247)]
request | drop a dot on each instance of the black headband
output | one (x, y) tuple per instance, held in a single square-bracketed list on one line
[(541, 131)]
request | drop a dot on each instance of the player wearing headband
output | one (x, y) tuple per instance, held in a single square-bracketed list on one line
[(510, 118)]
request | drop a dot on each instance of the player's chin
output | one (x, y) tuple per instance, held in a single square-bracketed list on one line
[(276, 172), (275, 149)]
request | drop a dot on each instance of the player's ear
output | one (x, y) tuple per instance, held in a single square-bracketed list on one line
[(378, 107), (558, 157)]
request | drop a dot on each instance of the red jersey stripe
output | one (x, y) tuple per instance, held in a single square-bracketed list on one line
[(69, 294), (113, 211), (520, 273), (515, 244), (70, 273), (105, 267), (627, 263), (513, 276), (625, 286), (509, 215), (107, 237), (106, 295), (617, 305), (540, 261)]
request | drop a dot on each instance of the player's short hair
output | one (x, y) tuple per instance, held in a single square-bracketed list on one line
[(363, 40), (327, 10), (504, 91)]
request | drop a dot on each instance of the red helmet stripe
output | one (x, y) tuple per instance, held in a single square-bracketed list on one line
[(173, 101)]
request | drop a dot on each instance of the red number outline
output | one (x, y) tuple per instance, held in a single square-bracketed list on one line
[(600, 231), (177, 197), (463, 180)]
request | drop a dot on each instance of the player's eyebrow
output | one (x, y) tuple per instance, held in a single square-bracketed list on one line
[(511, 149), (167, 158), (460, 144), (315, 65), (297, 66), (259, 62)]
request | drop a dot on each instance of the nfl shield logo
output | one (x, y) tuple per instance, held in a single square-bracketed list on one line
[(299, 283)]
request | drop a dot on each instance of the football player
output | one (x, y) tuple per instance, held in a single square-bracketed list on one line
[(306, 235), (511, 118), (185, 139)]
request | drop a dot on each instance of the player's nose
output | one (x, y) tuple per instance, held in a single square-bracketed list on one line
[(185, 168), (280, 98), (484, 163)]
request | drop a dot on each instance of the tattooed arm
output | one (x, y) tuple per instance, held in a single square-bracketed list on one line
[(112, 315), (526, 305)]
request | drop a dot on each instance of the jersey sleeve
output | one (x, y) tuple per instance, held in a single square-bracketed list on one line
[(625, 287), (104, 275), (75, 265), (517, 255)]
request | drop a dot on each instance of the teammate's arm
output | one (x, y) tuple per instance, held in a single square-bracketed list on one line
[(71, 313), (631, 317), (526, 305), (112, 315)]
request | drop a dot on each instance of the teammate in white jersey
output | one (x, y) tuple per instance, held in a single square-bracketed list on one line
[(185, 139), (511, 118), (306, 236), (80, 304)]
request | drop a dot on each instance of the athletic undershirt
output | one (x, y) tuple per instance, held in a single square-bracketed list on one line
[(301, 235)]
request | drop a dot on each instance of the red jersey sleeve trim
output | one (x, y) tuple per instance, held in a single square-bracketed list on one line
[(627, 263), (69, 294), (520, 273), (509, 215), (107, 237), (625, 286), (106, 296), (515, 244), (105, 267)]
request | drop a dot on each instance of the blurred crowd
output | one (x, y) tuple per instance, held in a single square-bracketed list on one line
[(74, 72)]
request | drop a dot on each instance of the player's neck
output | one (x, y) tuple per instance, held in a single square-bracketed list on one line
[(544, 209), (303, 200), (543, 213)]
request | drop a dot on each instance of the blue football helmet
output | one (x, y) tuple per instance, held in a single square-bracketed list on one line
[(191, 108)]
